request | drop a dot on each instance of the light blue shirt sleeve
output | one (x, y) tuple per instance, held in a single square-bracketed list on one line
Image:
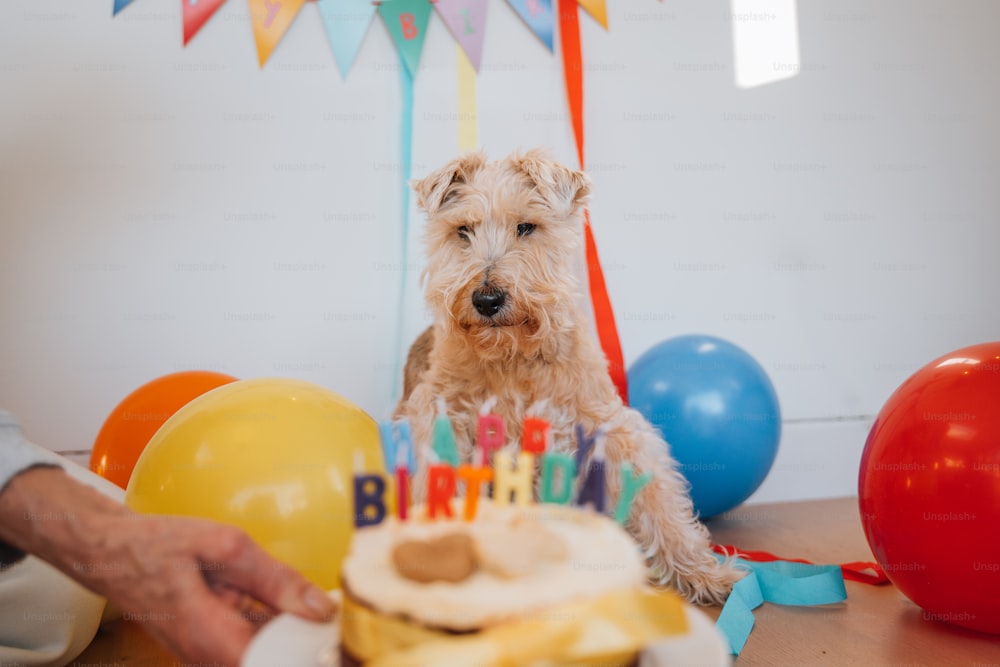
[(17, 454)]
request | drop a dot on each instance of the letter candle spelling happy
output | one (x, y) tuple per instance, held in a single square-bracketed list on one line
[(512, 484), (400, 455)]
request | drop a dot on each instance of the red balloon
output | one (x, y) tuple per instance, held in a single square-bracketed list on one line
[(133, 422), (929, 488)]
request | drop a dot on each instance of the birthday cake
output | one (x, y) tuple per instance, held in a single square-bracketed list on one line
[(421, 590), (518, 578)]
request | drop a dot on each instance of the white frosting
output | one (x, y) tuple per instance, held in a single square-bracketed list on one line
[(599, 557)]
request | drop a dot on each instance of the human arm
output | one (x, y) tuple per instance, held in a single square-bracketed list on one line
[(186, 580)]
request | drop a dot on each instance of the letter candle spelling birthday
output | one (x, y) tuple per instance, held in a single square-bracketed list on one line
[(474, 477), (594, 479), (512, 484), (443, 442), (400, 455), (491, 432), (369, 495)]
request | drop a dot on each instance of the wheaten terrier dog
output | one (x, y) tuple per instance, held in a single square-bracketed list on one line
[(500, 282)]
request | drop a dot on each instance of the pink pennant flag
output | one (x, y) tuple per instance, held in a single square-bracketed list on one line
[(195, 13), (466, 20)]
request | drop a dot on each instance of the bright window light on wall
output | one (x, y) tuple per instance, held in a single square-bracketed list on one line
[(765, 41)]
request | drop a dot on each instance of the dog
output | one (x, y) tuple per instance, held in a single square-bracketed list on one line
[(507, 328)]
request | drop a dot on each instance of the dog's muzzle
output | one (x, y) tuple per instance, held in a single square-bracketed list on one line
[(488, 300)]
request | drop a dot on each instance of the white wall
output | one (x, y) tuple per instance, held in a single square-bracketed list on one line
[(165, 208)]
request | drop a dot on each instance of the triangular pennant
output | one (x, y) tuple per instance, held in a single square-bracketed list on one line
[(120, 5), (538, 15), (195, 13), (271, 20), (346, 23), (466, 20), (598, 9), (407, 23)]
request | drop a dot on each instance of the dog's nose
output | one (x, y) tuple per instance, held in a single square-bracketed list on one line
[(488, 300)]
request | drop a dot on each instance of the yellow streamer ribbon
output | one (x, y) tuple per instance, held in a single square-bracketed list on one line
[(468, 122), (608, 630)]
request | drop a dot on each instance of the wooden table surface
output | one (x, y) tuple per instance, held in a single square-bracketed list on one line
[(876, 626)]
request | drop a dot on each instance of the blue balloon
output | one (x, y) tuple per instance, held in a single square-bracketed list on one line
[(717, 409)]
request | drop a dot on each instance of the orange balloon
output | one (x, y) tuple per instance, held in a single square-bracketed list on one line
[(133, 422)]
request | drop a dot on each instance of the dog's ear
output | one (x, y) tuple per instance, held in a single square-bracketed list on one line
[(563, 188), (438, 188)]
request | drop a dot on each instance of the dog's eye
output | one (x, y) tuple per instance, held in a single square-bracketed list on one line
[(463, 232), (525, 228)]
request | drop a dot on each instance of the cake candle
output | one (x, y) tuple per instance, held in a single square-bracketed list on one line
[(396, 435), (594, 487), (631, 485), (535, 435), (512, 486), (491, 433), (402, 480), (444, 436), (369, 495), (474, 477), (400, 459), (440, 490), (562, 466)]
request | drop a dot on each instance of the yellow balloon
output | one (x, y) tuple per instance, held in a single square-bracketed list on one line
[(276, 457)]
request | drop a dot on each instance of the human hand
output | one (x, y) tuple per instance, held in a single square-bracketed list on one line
[(201, 588)]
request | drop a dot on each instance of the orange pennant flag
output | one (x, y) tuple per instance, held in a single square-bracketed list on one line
[(596, 8), (271, 20)]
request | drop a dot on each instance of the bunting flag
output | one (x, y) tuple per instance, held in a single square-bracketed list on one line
[(597, 9), (346, 23), (466, 20), (537, 15), (271, 20), (604, 316), (194, 14), (407, 22), (120, 5)]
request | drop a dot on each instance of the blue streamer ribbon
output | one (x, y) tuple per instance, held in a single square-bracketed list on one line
[(780, 582), (406, 151)]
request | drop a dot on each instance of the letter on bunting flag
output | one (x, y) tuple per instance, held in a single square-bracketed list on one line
[(271, 20), (407, 21), (537, 14), (466, 20)]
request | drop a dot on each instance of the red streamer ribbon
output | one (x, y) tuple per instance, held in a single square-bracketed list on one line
[(607, 330), (860, 571)]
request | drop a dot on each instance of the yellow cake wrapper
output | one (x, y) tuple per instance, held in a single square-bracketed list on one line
[(606, 630)]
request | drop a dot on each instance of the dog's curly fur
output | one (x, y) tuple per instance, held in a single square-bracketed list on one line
[(500, 281)]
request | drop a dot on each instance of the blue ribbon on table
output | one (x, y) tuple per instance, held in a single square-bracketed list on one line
[(780, 582)]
